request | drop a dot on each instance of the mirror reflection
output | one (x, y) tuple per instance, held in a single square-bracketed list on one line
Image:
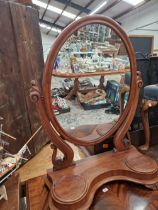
[(90, 82)]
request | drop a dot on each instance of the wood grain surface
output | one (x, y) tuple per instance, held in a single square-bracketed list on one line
[(13, 192), (21, 60), (84, 178), (118, 195), (125, 196)]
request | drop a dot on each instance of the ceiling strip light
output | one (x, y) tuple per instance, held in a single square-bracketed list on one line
[(98, 8), (134, 2), (40, 4), (54, 9), (68, 14), (49, 28)]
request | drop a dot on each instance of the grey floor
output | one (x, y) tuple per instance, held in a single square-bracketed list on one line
[(78, 116)]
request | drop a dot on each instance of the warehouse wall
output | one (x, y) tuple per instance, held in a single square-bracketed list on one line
[(47, 41), (142, 16)]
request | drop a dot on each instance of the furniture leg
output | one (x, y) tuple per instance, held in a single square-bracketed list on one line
[(73, 92), (145, 122), (76, 84), (101, 84)]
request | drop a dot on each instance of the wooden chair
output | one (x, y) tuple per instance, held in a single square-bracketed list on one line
[(150, 99)]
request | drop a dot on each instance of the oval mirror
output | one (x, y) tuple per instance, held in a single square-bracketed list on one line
[(88, 80)]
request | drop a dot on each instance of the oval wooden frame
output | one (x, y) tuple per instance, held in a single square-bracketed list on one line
[(46, 83)]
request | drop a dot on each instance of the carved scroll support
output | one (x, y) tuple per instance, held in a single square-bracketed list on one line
[(57, 141)]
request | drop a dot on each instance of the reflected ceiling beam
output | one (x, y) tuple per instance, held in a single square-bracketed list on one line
[(51, 24), (130, 10), (110, 6), (74, 5), (45, 9)]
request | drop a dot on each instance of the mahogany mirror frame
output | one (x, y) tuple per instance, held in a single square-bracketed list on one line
[(72, 185), (60, 40)]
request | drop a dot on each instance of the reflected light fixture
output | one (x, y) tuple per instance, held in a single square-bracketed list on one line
[(98, 8), (134, 2)]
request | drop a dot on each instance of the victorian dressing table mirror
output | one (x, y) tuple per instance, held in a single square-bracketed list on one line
[(82, 102)]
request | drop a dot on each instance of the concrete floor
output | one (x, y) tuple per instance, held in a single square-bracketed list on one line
[(77, 115)]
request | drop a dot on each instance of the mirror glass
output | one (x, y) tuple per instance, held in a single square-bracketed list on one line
[(90, 82)]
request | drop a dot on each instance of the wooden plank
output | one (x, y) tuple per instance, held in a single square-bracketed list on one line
[(13, 193), (37, 193), (21, 60), (30, 56), (13, 107)]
